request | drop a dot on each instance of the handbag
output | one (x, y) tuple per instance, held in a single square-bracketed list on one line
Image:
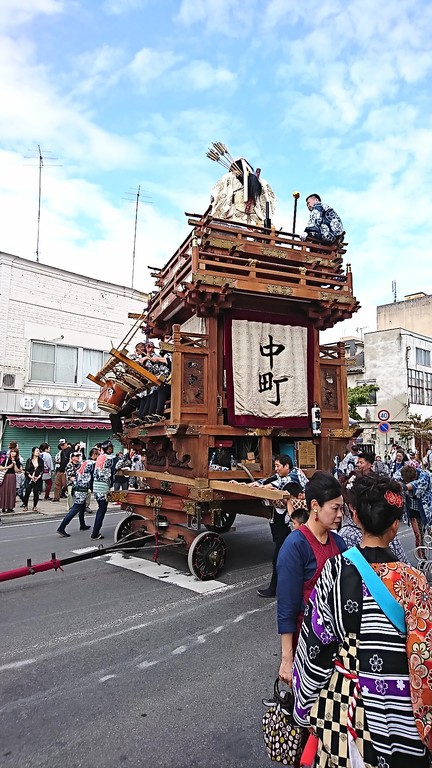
[(3, 471), (283, 739)]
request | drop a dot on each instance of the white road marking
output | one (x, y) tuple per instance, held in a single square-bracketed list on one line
[(83, 550), (193, 641), (17, 664), (106, 677), (164, 573), (159, 572), (161, 655)]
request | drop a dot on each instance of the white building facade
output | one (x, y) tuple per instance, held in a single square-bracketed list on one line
[(399, 362), (55, 328)]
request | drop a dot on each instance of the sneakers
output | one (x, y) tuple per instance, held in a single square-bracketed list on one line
[(266, 592), (85, 527), (55, 501), (63, 533), (98, 536)]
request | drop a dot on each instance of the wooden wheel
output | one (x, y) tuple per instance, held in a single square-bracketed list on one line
[(226, 522), (206, 556), (125, 531)]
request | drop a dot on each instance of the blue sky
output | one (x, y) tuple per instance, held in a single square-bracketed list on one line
[(332, 97)]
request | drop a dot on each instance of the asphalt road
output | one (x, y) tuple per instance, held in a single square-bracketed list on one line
[(102, 666)]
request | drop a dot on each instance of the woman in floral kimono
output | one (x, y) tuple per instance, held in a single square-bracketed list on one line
[(362, 684)]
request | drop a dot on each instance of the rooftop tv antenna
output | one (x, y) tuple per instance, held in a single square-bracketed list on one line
[(361, 329), (41, 165), (147, 200), (394, 291)]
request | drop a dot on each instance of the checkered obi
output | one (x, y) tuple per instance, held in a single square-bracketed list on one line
[(339, 712)]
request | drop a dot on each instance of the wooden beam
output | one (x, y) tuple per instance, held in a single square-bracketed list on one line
[(261, 492), (135, 366), (95, 379), (199, 482)]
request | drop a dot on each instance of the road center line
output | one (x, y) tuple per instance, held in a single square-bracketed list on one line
[(17, 664)]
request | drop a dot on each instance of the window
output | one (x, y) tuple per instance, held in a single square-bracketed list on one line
[(416, 386), (59, 364), (423, 357), (428, 388)]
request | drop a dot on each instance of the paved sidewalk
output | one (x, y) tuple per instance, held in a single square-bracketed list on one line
[(48, 509)]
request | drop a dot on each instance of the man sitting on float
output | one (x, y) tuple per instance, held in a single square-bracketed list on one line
[(152, 406)]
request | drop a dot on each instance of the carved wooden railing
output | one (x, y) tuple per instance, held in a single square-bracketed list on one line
[(217, 256)]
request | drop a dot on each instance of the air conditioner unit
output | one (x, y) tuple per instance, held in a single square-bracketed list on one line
[(12, 381)]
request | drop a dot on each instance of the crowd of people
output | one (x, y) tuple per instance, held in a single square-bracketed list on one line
[(343, 653), (406, 467), (70, 475)]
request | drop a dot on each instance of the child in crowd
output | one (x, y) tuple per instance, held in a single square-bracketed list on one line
[(297, 512)]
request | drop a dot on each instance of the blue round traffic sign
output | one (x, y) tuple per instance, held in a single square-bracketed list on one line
[(383, 414), (384, 427)]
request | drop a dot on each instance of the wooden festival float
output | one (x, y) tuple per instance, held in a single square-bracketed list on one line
[(244, 306)]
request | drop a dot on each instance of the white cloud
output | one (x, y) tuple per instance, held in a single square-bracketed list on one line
[(97, 70), (16, 12), (119, 7), (149, 65), (230, 17), (200, 76), (168, 71), (27, 88), (80, 229)]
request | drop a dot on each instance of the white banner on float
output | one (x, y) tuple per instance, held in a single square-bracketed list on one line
[(269, 369)]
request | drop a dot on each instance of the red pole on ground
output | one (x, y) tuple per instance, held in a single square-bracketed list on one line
[(29, 570)]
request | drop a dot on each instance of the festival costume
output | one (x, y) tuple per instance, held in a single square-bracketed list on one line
[(101, 485), (279, 521), (367, 690), (83, 484), (422, 488), (352, 536), (229, 201), (318, 224)]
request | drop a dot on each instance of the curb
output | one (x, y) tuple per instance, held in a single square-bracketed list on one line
[(48, 514)]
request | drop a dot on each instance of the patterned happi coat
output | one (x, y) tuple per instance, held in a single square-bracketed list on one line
[(84, 481), (389, 672)]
